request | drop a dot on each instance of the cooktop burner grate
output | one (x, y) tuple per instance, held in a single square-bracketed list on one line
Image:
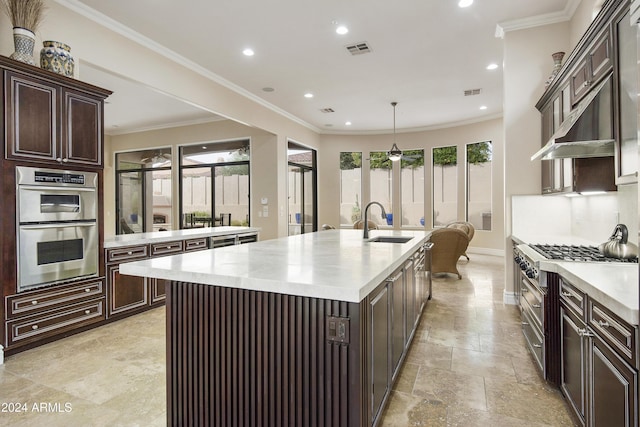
[(576, 253)]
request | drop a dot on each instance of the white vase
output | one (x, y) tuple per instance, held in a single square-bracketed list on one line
[(23, 41)]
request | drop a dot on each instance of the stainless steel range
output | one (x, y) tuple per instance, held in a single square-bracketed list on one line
[(538, 292)]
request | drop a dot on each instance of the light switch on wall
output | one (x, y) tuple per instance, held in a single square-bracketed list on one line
[(265, 211)]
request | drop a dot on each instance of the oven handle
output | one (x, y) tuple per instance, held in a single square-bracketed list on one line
[(50, 188), (58, 225)]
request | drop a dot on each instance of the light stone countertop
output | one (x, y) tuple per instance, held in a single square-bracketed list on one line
[(332, 264), (613, 285), (170, 235)]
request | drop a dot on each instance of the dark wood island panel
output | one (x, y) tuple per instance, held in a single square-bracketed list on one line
[(252, 358)]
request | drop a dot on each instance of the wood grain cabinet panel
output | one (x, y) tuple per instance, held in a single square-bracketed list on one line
[(82, 132), (31, 113)]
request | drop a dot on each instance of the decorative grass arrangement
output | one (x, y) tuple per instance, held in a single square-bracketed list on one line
[(24, 13)]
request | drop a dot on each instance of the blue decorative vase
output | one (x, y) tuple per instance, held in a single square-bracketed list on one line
[(56, 57), (298, 218), (422, 221), (390, 219)]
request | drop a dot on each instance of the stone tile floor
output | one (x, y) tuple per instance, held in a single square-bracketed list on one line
[(467, 367)]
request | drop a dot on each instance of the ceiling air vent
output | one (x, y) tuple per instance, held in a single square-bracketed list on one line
[(328, 110), (358, 48), (471, 92)]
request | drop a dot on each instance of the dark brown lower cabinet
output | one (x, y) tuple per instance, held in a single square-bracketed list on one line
[(599, 382), (126, 293), (379, 355)]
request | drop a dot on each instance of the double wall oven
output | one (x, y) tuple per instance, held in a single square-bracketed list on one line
[(538, 293), (57, 227)]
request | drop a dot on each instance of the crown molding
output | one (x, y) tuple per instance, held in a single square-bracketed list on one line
[(418, 129), (113, 25), (539, 20), (127, 130)]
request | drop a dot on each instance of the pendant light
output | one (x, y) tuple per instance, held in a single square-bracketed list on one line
[(395, 153)]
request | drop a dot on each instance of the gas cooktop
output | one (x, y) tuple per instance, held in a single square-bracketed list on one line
[(576, 253)]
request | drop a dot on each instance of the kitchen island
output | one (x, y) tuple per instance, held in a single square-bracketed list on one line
[(304, 330)]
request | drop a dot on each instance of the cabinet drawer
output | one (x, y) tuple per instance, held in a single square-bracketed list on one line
[(195, 244), (531, 301), (573, 297), (36, 302), (55, 322), (166, 248), (127, 253), (614, 331)]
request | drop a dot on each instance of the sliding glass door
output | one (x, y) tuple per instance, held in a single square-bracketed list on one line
[(302, 190)]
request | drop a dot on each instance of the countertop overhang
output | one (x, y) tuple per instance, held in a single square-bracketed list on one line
[(170, 235), (333, 264)]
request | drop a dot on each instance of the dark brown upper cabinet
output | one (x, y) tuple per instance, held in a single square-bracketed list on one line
[(50, 118)]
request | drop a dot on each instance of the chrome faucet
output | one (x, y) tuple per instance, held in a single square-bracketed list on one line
[(366, 222)]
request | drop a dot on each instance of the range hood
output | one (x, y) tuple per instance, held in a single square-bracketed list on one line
[(588, 129)]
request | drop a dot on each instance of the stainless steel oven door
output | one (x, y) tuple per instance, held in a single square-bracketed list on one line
[(49, 253), (49, 204)]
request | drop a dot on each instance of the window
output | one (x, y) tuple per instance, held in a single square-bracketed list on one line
[(412, 188), (214, 184), (143, 183), (350, 187), (445, 185), (479, 184), (381, 185)]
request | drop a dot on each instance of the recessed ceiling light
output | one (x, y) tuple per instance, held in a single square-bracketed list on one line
[(492, 66), (465, 3), (248, 52), (308, 95), (342, 30), (268, 89), (347, 123), (483, 107)]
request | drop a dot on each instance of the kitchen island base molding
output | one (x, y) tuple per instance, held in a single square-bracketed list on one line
[(242, 357)]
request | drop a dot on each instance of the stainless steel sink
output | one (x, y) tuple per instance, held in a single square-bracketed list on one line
[(390, 239)]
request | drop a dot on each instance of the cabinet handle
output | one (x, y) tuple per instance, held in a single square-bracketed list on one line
[(59, 160), (586, 84), (567, 295), (603, 323), (537, 345), (88, 290), (87, 312), (585, 333), (536, 306), (525, 323), (129, 253), (525, 290), (394, 278), (34, 327), (34, 302), (65, 160)]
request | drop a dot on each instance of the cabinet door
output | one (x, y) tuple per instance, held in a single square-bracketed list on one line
[(573, 368), (614, 401), (31, 109), (627, 146), (379, 356), (82, 130), (410, 304), (398, 288), (547, 165), (125, 292), (595, 65), (158, 290)]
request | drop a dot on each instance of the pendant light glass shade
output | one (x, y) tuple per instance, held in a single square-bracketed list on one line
[(395, 153)]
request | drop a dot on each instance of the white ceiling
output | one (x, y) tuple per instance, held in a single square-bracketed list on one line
[(424, 55)]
